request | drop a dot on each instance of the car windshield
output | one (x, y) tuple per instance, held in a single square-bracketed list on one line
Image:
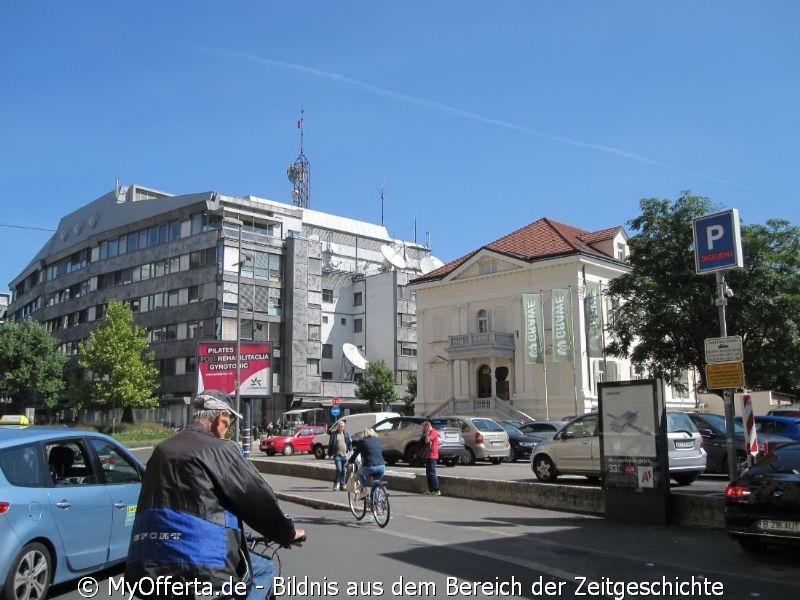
[(718, 421), (510, 428)]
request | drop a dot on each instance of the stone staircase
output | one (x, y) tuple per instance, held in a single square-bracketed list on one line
[(496, 408)]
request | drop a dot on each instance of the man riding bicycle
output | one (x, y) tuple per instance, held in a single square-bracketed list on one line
[(197, 491), (372, 463)]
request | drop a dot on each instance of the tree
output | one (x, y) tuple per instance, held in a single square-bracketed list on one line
[(377, 385), (665, 311), (411, 393), (31, 367), (121, 365)]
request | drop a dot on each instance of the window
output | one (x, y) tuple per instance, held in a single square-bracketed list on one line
[(314, 334), (116, 467), (327, 296), (327, 375), (69, 464), (22, 465), (358, 325), (357, 299), (408, 349), (325, 320), (195, 330), (191, 364), (327, 350), (483, 321), (313, 366), (343, 321), (620, 251)]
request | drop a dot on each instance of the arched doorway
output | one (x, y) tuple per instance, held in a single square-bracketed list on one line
[(484, 381)]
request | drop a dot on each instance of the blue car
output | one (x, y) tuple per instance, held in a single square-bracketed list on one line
[(67, 504), (788, 427)]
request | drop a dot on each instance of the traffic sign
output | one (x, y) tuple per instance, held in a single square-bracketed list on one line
[(335, 401), (749, 425), (724, 349), (725, 375), (335, 410), (717, 242)]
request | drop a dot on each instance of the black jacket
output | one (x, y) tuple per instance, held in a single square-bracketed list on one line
[(196, 492)]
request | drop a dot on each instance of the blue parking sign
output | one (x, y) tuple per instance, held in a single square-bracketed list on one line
[(717, 242), (335, 410)]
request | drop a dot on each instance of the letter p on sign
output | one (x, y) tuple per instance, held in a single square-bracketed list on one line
[(717, 242)]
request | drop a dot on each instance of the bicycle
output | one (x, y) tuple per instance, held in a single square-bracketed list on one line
[(270, 551), (377, 501)]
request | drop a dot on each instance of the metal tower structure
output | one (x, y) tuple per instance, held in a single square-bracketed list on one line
[(299, 174)]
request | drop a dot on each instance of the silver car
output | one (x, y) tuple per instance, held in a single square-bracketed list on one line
[(484, 439), (575, 450)]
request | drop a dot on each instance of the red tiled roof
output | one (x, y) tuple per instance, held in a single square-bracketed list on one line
[(540, 239)]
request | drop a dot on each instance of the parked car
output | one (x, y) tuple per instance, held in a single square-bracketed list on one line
[(543, 429), (575, 450), (715, 441), (788, 427), (290, 441), (400, 438), (66, 508), (787, 410), (353, 424), (521, 444), (484, 439), (763, 506)]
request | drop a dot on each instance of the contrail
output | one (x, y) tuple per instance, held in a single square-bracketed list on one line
[(379, 91)]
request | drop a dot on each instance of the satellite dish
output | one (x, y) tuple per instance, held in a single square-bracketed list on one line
[(352, 354), (436, 262), (393, 257), (426, 265)]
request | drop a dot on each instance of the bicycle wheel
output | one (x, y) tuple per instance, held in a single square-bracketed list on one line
[(380, 506), (358, 506)]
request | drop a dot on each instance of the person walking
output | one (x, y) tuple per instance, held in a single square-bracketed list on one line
[(339, 448), (372, 463), (431, 437), (197, 492)]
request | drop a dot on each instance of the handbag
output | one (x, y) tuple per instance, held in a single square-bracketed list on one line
[(351, 481)]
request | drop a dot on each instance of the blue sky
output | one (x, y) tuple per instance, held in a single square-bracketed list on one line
[(480, 117)]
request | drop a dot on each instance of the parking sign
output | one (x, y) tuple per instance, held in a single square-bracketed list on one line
[(717, 242)]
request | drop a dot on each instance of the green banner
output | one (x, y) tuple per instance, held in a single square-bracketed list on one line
[(532, 329), (562, 325), (593, 312)]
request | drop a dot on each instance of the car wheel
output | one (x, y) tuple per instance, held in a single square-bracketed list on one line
[(450, 462), (469, 457), (544, 468), (319, 452), (686, 478), (750, 545), (288, 450), (30, 574)]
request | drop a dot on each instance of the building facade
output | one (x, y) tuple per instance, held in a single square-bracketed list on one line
[(516, 328), (189, 265)]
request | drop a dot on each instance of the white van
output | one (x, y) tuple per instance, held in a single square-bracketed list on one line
[(352, 424)]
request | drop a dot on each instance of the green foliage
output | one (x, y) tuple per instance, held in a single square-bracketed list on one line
[(31, 368), (666, 311), (377, 386), (121, 365), (411, 393)]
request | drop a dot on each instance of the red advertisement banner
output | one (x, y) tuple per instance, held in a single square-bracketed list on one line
[(216, 368)]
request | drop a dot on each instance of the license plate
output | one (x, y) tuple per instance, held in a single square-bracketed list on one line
[(497, 443), (773, 525), (682, 444), (451, 436)]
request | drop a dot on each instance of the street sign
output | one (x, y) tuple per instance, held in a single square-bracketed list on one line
[(335, 401), (717, 242), (725, 375), (335, 410), (724, 349)]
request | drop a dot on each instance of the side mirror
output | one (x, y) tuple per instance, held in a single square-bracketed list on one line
[(706, 433)]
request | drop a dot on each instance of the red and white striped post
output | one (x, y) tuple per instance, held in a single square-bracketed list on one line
[(751, 439)]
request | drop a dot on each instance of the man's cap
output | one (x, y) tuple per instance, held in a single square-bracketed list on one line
[(215, 400)]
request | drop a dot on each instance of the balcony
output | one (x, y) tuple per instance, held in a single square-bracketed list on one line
[(481, 345)]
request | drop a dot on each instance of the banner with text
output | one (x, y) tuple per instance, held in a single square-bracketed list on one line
[(593, 313), (216, 368), (562, 325), (533, 328)]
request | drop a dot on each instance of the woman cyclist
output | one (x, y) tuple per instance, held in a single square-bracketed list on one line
[(372, 463)]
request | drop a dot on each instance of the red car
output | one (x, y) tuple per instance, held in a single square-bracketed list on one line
[(291, 440)]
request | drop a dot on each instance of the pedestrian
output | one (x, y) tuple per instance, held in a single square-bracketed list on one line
[(372, 463), (270, 429), (431, 438), (197, 492), (339, 448)]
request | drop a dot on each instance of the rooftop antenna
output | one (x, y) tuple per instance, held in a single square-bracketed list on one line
[(383, 193), (299, 174)]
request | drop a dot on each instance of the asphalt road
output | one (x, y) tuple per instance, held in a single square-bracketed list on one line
[(432, 546)]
